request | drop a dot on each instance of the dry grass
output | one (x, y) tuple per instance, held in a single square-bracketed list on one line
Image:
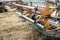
[(14, 28)]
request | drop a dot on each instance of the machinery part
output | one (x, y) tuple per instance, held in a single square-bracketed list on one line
[(46, 21), (21, 15), (29, 7), (2, 8), (45, 32), (44, 12)]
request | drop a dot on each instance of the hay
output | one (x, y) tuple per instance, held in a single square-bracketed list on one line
[(14, 28)]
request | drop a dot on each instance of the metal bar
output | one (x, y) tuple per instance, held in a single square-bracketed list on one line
[(30, 7), (40, 1), (21, 15)]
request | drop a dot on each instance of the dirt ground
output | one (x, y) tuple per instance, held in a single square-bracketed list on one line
[(13, 27)]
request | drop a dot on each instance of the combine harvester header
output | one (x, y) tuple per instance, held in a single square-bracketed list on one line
[(46, 19)]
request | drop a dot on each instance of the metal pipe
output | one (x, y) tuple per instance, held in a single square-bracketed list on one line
[(34, 1), (37, 24), (23, 6), (30, 7)]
